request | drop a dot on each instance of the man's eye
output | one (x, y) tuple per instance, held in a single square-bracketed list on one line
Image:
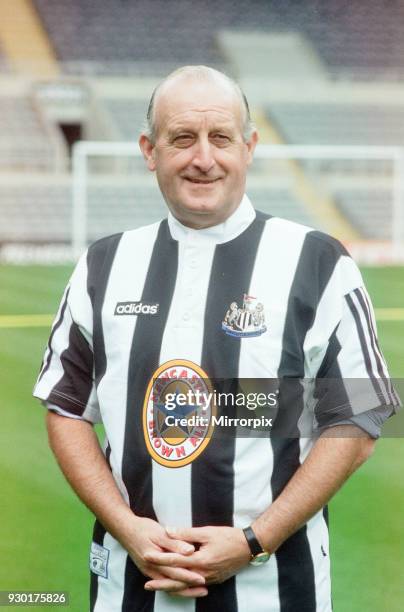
[(220, 138), (183, 139)]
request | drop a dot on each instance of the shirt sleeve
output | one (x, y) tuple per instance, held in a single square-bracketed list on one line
[(370, 421), (352, 378), (66, 379)]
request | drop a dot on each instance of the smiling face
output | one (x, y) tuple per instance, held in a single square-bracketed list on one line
[(199, 154)]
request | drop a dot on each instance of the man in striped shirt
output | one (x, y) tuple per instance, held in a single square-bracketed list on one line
[(187, 519)]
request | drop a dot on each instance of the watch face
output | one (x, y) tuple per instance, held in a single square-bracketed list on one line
[(260, 558)]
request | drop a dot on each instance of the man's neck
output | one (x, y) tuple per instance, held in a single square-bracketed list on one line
[(219, 232)]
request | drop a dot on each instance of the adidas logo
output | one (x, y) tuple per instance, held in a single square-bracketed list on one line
[(136, 308)]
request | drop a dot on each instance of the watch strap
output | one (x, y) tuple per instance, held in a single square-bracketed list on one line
[(255, 546)]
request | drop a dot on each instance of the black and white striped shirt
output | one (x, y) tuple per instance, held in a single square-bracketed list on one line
[(101, 358)]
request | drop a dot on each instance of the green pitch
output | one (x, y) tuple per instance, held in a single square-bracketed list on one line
[(45, 532)]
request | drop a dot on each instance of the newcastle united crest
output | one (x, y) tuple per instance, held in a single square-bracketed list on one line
[(246, 321)]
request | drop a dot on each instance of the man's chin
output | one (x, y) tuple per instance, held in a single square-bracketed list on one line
[(198, 215), (200, 207)]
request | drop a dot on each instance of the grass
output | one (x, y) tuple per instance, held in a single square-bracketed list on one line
[(45, 532)]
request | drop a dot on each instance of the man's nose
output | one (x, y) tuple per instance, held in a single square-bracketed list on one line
[(203, 155)]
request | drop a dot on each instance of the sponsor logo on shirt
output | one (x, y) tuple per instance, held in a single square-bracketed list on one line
[(136, 308), (176, 432), (247, 321)]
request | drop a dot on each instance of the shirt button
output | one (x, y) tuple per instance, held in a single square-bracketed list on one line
[(186, 316), (193, 263)]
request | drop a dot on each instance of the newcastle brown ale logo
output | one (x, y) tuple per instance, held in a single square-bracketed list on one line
[(177, 417)]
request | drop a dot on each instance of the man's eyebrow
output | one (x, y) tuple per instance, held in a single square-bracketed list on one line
[(188, 129), (179, 129)]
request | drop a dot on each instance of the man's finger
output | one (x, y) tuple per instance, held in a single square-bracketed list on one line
[(165, 584), (191, 592), (176, 545), (183, 575), (171, 559), (189, 534)]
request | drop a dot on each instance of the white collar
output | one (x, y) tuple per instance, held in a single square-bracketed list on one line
[(233, 226)]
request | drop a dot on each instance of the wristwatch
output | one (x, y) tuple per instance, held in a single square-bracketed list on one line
[(258, 554)]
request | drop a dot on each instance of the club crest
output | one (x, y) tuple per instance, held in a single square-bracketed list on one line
[(247, 321)]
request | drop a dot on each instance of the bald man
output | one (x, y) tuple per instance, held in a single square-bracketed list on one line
[(189, 518)]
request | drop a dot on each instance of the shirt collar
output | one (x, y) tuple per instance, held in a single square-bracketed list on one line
[(238, 221)]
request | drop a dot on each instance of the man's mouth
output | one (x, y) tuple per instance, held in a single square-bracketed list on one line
[(201, 181)]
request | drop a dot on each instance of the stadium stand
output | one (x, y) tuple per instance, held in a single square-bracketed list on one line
[(345, 124), (31, 213), (3, 61), (280, 203), (340, 124), (354, 38), (27, 140), (126, 115), (104, 37), (25, 41), (355, 204)]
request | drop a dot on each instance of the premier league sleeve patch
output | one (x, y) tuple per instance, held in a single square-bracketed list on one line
[(99, 557), (248, 321)]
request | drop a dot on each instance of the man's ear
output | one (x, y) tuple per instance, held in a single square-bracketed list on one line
[(147, 149), (251, 144)]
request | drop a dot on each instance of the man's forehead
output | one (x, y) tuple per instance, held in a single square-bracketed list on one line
[(202, 117), (193, 100)]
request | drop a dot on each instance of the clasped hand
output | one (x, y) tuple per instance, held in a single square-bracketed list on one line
[(184, 561)]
